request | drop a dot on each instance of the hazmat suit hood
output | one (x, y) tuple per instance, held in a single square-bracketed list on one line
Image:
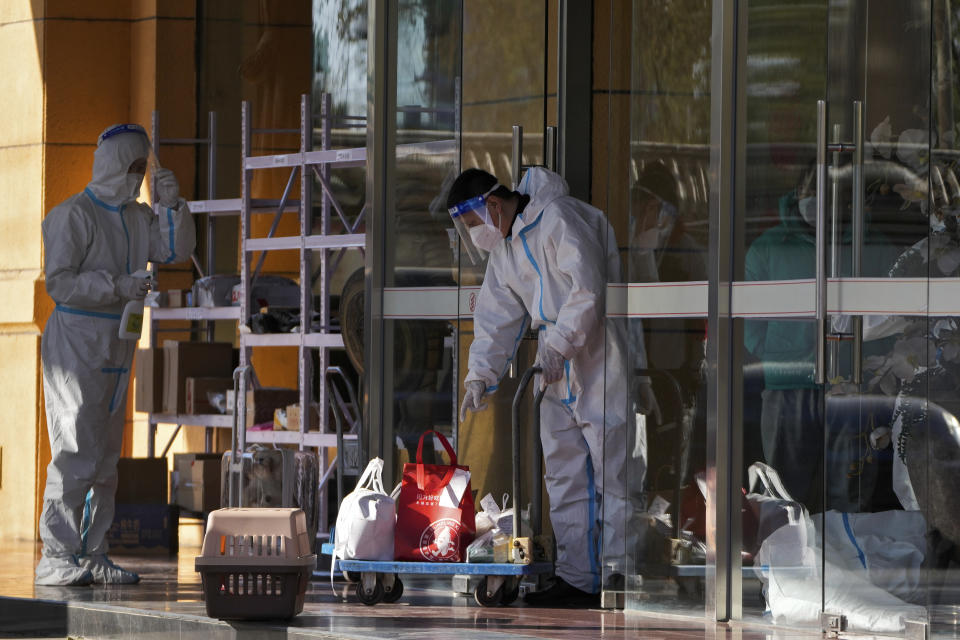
[(111, 183), (543, 186)]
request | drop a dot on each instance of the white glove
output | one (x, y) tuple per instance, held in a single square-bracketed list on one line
[(472, 398), (646, 400), (168, 189), (131, 287), (880, 438), (550, 362)]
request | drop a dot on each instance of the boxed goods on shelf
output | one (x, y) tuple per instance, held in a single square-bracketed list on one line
[(196, 390), (148, 387), (196, 481), (261, 403), (215, 290), (182, 360)]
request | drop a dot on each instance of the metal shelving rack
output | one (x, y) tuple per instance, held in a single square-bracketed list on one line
[(308, 164), (213, 208)]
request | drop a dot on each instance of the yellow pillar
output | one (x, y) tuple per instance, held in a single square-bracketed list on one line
[(71, 68)]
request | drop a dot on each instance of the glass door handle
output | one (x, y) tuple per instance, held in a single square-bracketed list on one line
[(858, 230), (550, 148), (856, 148), (516, 156), (820, 356)]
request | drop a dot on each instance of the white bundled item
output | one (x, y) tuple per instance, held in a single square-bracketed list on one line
[(366, 520), (492, 516), (886, 548), (494, 524), (788, 563)]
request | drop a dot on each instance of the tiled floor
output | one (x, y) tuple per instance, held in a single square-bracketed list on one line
[(168, 603)]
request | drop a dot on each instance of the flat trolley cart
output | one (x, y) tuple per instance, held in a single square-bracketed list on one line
[(379, 581)]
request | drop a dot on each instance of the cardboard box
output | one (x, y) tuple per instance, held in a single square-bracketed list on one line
[(182, 360), (148, 380), (196, 389), (142, 481), (196, 485), (293, 418), (144, 528), (174, 298), (261, 403)]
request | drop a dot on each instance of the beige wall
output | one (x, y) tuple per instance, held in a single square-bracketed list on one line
[(70, 69), (22, 313)]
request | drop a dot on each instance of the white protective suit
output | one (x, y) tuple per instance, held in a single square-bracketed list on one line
[(554, 267), (90, 240)]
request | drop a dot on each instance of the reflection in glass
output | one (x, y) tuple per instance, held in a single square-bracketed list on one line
[(838, 525), (505, 49), (420, 253), (660, 210)]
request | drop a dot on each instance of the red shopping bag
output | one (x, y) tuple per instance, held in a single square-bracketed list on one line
[(428, 531)]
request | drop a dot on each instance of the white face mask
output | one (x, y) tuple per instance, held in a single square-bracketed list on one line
[(132, 182), (485, 237), (648, 240), (808, 210)]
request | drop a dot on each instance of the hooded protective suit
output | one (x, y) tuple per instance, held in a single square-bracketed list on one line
[(90, 241), (554, 267)]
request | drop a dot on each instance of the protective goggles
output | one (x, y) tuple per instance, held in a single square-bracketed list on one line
[(468, 214), (121, 128)]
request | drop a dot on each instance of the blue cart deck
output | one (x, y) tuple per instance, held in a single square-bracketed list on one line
[(439, 568)]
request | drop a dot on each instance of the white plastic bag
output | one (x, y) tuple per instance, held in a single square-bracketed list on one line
[(789, 565), (772, 505), (366, 519), (492, 516)]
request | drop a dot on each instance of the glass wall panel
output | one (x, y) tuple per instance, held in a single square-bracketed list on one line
[(823, 513), (926, 446), (506, 49), (419, 253), (659, 101), (874, 46), (781, 409)]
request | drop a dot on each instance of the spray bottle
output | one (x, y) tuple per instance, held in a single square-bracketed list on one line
[(131, 322)]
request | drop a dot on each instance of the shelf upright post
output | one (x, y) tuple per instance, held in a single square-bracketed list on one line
[(242, 326), (306, 298), (323, 356), (211, 238)]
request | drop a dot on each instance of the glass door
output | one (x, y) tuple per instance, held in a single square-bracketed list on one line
[(657, 163), (465, 73), (844, 242), (508, 79)]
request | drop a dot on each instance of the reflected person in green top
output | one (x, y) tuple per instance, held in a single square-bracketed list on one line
[(792, 419)]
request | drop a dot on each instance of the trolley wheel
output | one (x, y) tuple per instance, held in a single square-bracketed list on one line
[(511, 591), (373, 597), (480, 595), (394, 593)]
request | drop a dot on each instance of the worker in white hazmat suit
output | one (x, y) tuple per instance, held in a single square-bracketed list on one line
[(93, 244), (550, 259)]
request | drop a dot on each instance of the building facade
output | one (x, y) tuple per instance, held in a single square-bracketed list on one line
[(781, 181)]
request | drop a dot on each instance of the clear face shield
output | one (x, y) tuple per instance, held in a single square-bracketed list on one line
[(478, 233)]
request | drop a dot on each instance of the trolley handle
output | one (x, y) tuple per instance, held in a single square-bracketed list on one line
[(535, 507)]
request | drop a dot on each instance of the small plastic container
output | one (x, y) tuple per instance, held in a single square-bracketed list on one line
[(255, 563)]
